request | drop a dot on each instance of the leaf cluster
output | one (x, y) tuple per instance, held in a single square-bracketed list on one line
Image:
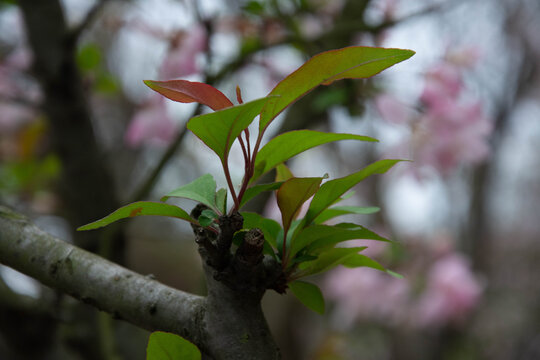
[(302, 246)]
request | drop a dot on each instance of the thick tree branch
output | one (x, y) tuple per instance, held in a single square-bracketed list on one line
[(96, 281), (227, 324)]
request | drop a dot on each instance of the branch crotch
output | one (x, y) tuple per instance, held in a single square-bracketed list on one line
[(234, 322)]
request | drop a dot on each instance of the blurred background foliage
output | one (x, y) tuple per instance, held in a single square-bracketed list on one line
[(465, 109)]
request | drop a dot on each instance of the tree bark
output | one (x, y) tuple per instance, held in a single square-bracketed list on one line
[(226, 324), (95, 280), (87, 188)]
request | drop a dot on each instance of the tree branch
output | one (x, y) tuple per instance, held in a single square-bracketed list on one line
[(227, 324), (96, 281), (88, 20)]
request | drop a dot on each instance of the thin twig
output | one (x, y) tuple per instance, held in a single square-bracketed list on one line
[(147, 185), (393, 22), (90, 17)]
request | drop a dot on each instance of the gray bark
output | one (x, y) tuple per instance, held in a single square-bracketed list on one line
[(227, 324), (95, 280), (86, 188)]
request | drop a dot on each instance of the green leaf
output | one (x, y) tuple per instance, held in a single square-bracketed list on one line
[(207, 217), (353, 62), (359, 260), (316, 237), (7, 3), (106, 84), (221, 200), (289, 144), (290, 235), (340, 235), (238, 237), (257, 189), (283, 173), (309, 294), (328, 260), (254, 7), (292, 194), (188, 91), (139, 208), (205, 221), (336, 211), (219, 129), (167, 346), (303, 258), (394, 274), (88, 57), (202, 190), (269, 227), (331, 190)]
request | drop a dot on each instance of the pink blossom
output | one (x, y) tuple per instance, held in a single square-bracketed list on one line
[(367, 294), (443, 84), (451, 129), (311, 26), (451, 293), (13, 116), (449, 135), (20, 58), (151, 124), (182, 56), (392, 109), (16, 92)]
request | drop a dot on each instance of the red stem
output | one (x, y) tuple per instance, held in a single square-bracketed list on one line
[(246, 133), (225, 164), (255, 150), (248, 169), (246, 153)]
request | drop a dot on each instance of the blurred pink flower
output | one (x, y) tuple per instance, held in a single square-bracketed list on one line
[(363, 293), (13, 116), (451, 129), (449, 135), (392, 109), (18, 94), (151, 124), (20, 58), (443, 84), (452, 291), (311, 26), (182, 56)]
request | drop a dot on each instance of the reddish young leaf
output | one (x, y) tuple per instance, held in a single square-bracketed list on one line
[(292, 194), (188, 91)]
